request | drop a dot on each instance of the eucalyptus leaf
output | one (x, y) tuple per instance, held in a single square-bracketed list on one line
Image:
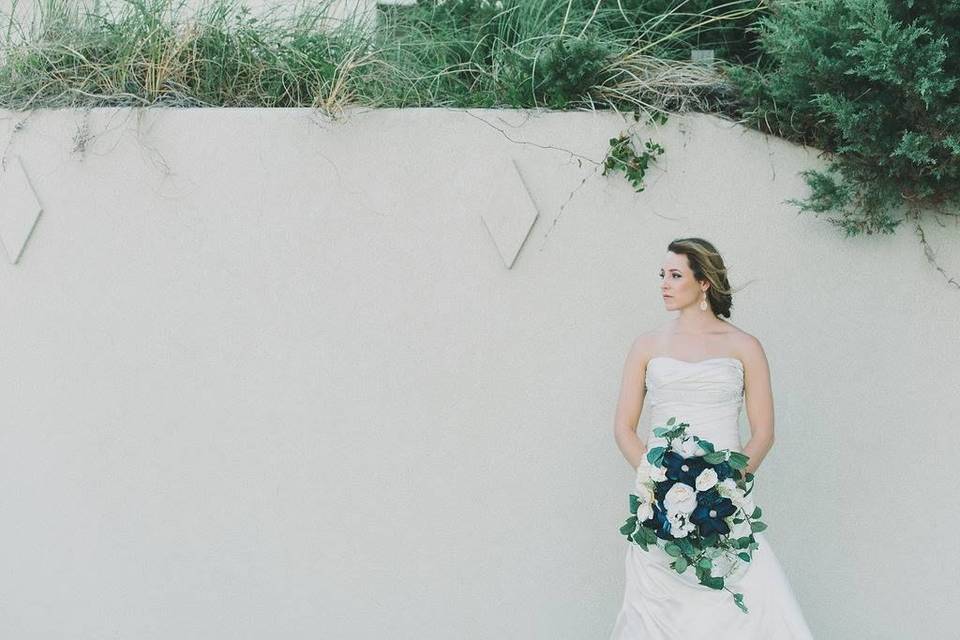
[(714, 582), (655, 455), (738, 460)]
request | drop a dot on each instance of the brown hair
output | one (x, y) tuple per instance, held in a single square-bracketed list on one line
[(707, 266)]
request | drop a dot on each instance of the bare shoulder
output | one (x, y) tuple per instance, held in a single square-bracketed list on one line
[(749, 349), (647, 341), (643, 347)]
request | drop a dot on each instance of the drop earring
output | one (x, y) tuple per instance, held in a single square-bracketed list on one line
[(703, 303)]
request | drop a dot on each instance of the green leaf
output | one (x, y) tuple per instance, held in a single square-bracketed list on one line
[(655, 455), (756, 513), (714, 582), (659, 431), (744, 555), (680, 564), (757, 526), (671, 421), (706, 563), (715, 457), (672, 549), (629, 526), (738, 599), (738, 460)]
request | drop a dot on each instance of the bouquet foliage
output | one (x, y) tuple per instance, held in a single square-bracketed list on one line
[(694, 503)]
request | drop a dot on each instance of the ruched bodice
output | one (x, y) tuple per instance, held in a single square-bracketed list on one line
[(707, 394)]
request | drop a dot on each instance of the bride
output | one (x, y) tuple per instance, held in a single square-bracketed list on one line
[(703, 370)]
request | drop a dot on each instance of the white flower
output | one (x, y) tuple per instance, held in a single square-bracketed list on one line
[(658, 474), (706, 480), (681, 498), (645, 493), (729, 489), (687, 447), (643, 471), (680, 525), (744, 502), (644, 511)]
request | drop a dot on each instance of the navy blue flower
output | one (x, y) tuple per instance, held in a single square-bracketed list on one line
[(710, 512), (660, 489), (660, 523), (724, 470), (682, 469)]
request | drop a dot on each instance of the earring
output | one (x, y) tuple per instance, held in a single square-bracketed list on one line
[(703, 303)]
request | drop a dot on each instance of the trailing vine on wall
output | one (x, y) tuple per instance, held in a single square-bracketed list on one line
[(623, 157)]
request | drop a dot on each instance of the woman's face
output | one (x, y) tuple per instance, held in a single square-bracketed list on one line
[(677, 284)]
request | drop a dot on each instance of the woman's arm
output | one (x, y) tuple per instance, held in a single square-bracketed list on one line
[(759, 402), (630, 404)]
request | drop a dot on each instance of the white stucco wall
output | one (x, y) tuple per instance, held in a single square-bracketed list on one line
[(267, 376), (337, 10)]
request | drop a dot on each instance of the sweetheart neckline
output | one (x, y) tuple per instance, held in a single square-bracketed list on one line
[(737, 360)]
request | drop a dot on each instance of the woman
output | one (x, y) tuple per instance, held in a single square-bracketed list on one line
[(701, 369)]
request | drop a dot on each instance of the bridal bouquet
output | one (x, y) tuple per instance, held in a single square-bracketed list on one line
[(694, 503)]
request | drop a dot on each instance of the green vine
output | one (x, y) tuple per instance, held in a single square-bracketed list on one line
[(623, 157)]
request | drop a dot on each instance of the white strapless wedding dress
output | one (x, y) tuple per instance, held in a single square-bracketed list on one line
[(659, 603)]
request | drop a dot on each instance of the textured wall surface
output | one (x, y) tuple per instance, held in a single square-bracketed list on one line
[(264, 375), (24, 10)]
